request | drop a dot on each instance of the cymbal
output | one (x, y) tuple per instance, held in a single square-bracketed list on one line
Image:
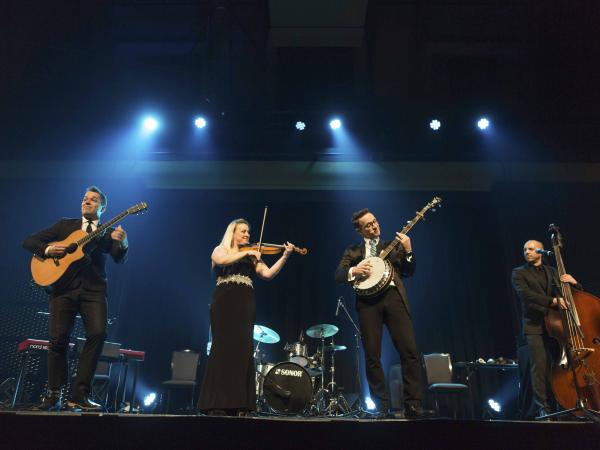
[(335, 348), (265, 335), (323, 330)]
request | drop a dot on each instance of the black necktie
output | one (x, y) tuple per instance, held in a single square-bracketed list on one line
[(89, 228)]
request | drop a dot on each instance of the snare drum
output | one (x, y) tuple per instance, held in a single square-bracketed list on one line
[(297, 353), (287, 388)]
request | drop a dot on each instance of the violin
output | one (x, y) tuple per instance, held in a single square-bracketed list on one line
[(270, 249)]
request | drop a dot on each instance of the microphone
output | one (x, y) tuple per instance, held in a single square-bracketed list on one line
[(337, 309), (541, 251)]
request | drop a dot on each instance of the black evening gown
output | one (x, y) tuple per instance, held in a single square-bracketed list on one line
[(229, 378)]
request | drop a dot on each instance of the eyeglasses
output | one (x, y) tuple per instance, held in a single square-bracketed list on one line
[(371, 224)]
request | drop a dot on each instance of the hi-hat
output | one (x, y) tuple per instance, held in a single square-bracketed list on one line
[(265, 335), (335, 348), (323, 330)]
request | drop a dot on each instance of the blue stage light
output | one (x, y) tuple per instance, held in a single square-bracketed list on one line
[(369, 403), (300, 126), (483, 123), (200, 122), (335, 124), (435, 124), (149, 399), (149, 124), (494, 405)]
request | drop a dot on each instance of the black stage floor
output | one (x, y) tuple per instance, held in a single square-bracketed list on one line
[(35, 430)]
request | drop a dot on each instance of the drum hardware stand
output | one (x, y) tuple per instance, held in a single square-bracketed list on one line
[(338, 406), (320, 395), (328, 400), (261, 404), (357, 408)]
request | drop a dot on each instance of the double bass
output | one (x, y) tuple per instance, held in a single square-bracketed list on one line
[(576, 382)]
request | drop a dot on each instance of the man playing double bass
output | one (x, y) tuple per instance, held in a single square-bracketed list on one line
[(536, 284)]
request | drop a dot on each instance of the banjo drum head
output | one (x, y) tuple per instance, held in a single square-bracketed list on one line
[(377, 271)]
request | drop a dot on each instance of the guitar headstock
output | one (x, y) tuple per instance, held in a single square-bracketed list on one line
[(138, 208), (435, 203)]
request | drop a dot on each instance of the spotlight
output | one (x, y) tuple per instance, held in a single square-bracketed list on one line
[(149, 124), (494, 405), (335, 124), (370, 403), (435, 124), (149, 399), (200, 122), (300, 126), (483, 123)]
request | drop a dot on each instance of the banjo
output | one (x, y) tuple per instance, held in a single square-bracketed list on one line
[(382, 271)]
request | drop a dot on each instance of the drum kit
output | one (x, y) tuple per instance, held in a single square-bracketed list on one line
[(303, 384)]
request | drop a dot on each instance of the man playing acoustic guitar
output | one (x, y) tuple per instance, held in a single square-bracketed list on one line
[(81, 289)]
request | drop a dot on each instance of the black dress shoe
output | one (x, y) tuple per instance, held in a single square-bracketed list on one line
[(83, 403), (417, 412), (49, 403)]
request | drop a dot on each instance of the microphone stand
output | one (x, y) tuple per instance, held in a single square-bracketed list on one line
[(357, 411)]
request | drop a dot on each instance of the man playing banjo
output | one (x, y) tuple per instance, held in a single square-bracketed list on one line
[(388, 306)]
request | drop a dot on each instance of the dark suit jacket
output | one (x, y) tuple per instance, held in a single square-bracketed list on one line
[(402, 268), (535, 301), (92, 269)]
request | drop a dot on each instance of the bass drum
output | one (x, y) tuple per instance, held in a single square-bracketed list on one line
[(287, 388), (261, 372)]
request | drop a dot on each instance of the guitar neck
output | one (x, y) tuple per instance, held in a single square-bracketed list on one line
[(101, 228)]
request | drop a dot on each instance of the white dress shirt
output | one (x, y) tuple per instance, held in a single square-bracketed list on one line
[(84, 224)]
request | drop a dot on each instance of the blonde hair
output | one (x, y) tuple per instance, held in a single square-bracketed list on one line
[(227, 241)]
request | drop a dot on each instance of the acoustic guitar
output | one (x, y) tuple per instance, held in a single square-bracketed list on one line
[(47, 271)]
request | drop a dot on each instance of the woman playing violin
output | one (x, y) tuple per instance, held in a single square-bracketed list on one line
[(229, 380)]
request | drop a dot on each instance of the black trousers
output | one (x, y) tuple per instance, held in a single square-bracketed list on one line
[(63, 309), (542, 351), (389, 310)]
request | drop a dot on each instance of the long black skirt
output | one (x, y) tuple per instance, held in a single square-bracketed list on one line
[(229, 379)]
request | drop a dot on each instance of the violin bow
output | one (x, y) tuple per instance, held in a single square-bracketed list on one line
[(262, 228)]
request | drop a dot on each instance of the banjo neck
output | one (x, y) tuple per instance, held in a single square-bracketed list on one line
[(411, 223)]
